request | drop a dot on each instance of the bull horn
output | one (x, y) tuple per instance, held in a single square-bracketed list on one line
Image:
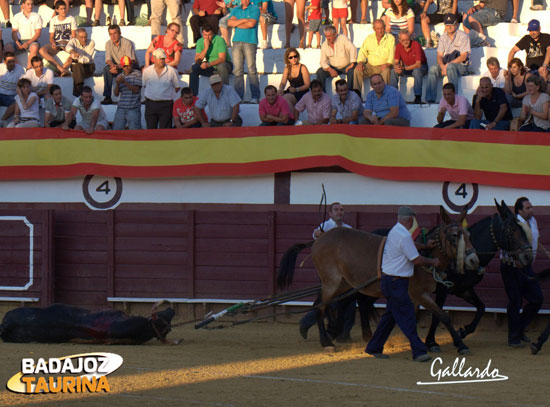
[(157, 304)]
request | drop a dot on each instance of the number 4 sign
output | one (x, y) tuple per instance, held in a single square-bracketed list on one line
[(457, 195), (102, 192)]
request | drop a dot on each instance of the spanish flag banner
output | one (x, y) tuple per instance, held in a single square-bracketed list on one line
[(509, 159)]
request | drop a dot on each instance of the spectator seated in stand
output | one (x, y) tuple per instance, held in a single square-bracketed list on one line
[(58, 108), (536, 46), (184, 112), (385, 105), (347, 107), (211, 58), (169, 43), (399, 17), (92, 115), (41, 78), (204, 12), (10, 73), (495, 73), (453, 57), (515, 82), (410, 60), (297, 75), (534, 112), (444, 7), (62, 29), (27, 106), (491, 102), (81, 58), (25, 32), (274, 109), (485, 14), (316, 103), (223, 104), (457, 106)]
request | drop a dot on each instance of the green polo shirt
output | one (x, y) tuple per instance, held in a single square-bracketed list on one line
[(216, 46)]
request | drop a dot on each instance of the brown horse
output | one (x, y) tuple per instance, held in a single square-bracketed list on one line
[(347, 259)]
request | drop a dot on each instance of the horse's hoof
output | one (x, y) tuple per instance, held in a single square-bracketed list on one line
[(434, 349), (534, 349), (330, 349), (464, 352)]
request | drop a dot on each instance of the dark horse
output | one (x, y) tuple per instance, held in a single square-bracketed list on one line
[(347, 259), (488, 236)]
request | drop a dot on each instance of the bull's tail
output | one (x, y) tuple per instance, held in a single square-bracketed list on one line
[(288, 264)]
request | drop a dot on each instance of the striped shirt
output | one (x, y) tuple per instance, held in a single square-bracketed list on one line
[(8, 79), (399, 23), (128, 99)]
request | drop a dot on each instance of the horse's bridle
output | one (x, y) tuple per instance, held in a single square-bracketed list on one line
[(498, 243)]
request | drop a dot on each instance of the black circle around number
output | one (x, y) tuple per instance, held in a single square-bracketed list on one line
[(101, 205), (451, 205)]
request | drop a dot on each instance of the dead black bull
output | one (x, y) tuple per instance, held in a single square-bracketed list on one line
[(64, 323)]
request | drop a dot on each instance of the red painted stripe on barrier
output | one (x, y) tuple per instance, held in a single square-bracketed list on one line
[(377, 132)]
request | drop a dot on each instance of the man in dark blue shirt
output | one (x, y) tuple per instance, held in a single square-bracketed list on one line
[(493, 103)]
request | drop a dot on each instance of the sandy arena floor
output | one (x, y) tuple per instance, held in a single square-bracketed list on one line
[(268, 364)]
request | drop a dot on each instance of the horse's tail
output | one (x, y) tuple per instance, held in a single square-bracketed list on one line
[(543, 275), (288, 263)]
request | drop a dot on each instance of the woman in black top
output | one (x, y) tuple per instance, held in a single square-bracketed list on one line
[(297, 76), (515, 82)]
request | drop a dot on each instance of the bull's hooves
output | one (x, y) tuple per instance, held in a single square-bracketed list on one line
[(534, 349), (464, 352), (330, 349), (434, 349)]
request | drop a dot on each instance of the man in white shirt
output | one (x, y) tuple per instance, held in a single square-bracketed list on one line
[(41, 78), (81, 58), (398, 261), (62, 29), (520, 282), (336, 213), (161, 83), (10, 73), (93, 116), (26, 28), (495, 73)]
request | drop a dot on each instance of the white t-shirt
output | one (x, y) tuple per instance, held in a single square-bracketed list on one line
[(161, 87), (8, 80), (87, 113), (26, 27), (339, 4), (329, 224), (500, 79), (42, 82), (62, 29), (33, 111), (399, 252)]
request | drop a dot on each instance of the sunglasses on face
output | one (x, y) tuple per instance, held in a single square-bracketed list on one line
[(293, 57)]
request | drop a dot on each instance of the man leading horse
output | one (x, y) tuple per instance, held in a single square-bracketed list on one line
[(398, 261)]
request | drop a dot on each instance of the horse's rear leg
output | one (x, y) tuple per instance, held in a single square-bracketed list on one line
[(440, 297), (471, 297), (323, 336), (366, 310), (428, 303)]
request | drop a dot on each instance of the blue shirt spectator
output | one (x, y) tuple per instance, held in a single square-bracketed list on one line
[(248, 35), (385, 105)]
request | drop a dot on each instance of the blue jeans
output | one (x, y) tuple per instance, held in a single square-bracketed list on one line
[(520, 283), (323, 75), (400, 310), (223, 69), (417, 74), (6, 100), (130, 117), (242, 50), (108, 81), (501, 125), (454, 71)]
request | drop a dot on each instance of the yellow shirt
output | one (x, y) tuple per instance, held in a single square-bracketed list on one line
[(377, 53)]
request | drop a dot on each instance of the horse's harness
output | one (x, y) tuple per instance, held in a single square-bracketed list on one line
[(503, 238)]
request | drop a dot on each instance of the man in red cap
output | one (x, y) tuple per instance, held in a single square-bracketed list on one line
[(128, 88)]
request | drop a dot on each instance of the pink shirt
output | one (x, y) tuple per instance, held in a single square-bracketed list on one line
[(279, 108), (461, 107)]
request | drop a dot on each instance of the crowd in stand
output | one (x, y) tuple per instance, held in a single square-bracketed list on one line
[(387, 54)]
